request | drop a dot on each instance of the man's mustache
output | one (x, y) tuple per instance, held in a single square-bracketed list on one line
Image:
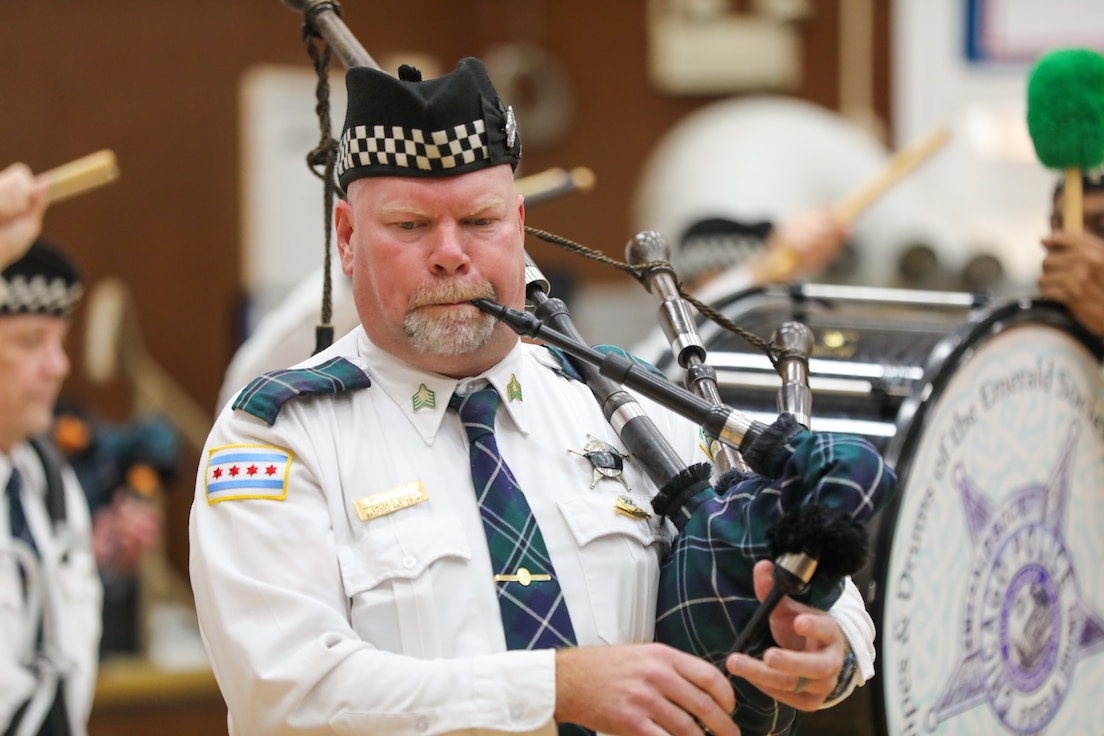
[(451, 293)]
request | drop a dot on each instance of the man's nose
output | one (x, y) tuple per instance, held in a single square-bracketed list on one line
[(57, 360), (449, 254)]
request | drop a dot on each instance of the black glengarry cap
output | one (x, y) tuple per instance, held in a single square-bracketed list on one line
[(43, 281), (407, 126)]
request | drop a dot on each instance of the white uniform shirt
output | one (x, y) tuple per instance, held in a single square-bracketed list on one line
[(68, 584), (317, 621)]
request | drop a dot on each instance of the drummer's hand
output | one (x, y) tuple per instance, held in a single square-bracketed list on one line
[(22, 207), (810, 655), (806, 242), (1073, 274), (642, 689), (124, 530)]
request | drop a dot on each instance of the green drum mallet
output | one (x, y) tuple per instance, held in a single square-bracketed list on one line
[(1065, 118)]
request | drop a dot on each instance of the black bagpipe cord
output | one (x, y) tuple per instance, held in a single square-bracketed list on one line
[(321, 162)]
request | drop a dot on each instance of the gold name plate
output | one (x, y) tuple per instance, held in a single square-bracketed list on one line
[(391, 500)]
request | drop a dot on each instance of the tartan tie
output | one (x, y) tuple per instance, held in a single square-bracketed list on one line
[(534, 615)]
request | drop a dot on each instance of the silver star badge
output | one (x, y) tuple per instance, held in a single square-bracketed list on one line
[(607, 461)]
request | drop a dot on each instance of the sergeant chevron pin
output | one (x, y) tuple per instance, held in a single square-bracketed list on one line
[(513, 389), (424, 398)]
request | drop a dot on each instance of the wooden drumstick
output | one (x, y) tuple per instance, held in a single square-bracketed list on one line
[(554, 183), (780, 263), (900, 164), (79, 176)]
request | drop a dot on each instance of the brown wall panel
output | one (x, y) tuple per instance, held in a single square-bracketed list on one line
[(158, 83)]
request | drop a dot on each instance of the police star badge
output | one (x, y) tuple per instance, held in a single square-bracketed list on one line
[(606, 460)]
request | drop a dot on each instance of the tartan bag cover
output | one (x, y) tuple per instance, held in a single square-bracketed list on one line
[(705, 591)]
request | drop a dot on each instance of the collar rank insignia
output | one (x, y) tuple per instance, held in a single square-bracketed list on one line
[(628, 507), (424, 398), (607, 461), (513, 389)]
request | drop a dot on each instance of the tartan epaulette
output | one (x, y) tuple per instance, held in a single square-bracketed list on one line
[(565, 368), (267, 394)]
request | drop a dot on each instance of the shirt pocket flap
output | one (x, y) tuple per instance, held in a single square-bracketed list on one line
[(401, 551), (592, 517)]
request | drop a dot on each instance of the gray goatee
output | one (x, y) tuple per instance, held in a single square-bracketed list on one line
[(452, 331)]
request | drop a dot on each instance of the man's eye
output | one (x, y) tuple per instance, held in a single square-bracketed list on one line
[(30, 341)]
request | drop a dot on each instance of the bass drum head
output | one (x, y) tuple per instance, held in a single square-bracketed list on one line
[(990, 601)]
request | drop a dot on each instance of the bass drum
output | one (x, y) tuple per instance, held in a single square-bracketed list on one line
[(984, 583)]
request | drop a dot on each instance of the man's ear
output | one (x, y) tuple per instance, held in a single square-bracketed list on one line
[(343, 227)]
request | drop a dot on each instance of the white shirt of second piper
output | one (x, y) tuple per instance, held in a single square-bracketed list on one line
[(322, 620), (65, 588)]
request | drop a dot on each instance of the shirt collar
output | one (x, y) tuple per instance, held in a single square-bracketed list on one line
[(423, 396)]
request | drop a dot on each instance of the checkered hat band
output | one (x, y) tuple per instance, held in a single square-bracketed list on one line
[(412, 148), (38, 295), (702, 254)]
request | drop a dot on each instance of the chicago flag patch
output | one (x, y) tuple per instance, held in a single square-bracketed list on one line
[(247, 471)]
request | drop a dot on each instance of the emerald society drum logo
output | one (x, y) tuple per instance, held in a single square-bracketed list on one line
[(992, 620), (1025, 624)]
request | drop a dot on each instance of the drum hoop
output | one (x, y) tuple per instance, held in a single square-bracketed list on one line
[(801, 294), (951, 353)]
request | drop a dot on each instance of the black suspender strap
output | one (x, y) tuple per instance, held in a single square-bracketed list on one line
[(55, 486)]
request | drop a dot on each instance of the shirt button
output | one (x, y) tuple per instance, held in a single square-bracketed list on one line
[(422, 724), (409, 561), (516, 712)]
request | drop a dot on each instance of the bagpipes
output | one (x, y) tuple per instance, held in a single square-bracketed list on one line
[(785, 493), (802, 503)]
